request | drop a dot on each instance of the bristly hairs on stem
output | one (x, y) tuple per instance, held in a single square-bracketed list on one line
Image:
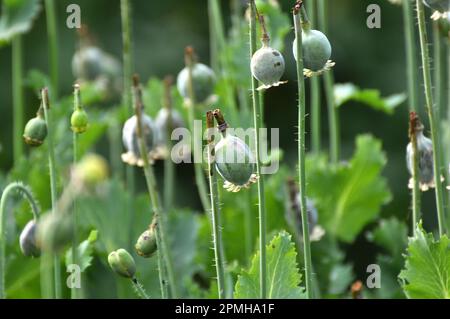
[(159, 216), (139, 289), (219, 256), (414, 122), (301, 149)]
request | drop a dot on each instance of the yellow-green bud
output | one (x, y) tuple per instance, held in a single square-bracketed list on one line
[(79, 121), (122, 263)]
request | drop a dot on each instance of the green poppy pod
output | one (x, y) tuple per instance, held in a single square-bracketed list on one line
[(122, 263), (35, 131), (203, 82)]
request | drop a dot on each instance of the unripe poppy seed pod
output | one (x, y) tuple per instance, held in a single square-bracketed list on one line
[(87, 63), (146, 243), (235, 163), (122, 263), (316, 50), (79, 121), (203, 82), (35, 131), (27, 240), (267, 66), (131, 141), (54, 231)]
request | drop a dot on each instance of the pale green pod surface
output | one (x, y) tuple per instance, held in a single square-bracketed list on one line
[(35, 131), (203, 82), (234, 160), (54, 232), (79, 121), (267, 65), (316, 50), (146, 243), (27, 240), (122, 263)]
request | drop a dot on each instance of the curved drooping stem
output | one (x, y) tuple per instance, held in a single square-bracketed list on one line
[(261, 195), (53, 191), (159, 216), (432, 111), (301, 150), (29, 197)]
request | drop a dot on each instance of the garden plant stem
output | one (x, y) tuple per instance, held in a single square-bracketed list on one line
[(328, 78), (169, 166), (411, 56), (53, 190), (261, 195), (28, 195), (301, 148), (315, 93), (199, 174), (17, 76), (215, 210), (52, 33), (413, 118), (434, 124), (139, 290), (162, 244)]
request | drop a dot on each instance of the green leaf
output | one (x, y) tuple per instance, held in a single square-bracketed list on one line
[(17, 18), (283, 277), (85, 251), (427, 267), (349, 195), (348, 91), (391, 234)]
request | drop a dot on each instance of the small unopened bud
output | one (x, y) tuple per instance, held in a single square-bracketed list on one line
[(27, 240), (146, 243), (122, 263), (91, 170), (79, 121), (35, 131)]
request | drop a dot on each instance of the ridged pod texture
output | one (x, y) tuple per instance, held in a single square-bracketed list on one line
[(35, 131), (234, 160), (130, 138), (203, 82), (425, 150), (122, 263), (316, 50), (27, 240), (267, 65)]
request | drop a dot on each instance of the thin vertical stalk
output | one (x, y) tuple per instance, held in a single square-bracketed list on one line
[(28, 195), (301, 149), (52, 34), (439, 79), (53, 190), (199, 174), (413, 124), (328, 78), (412, 75), (315, 92), (215, 207), (248, 225), (17, 76), (161, 269), (432, 112), (150, 179), (261, 195), (139, 289), (169, 166)]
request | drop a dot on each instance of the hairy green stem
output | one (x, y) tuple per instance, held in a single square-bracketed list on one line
[(301, 153), (328, 78), (261, 195), (413, 123), (139, 289), (161, 269), (17, 77), (215, 211), (315, 93), (432, 112), (411, 56), (52, 33), (28, 195), (150, 179), (53, 190)]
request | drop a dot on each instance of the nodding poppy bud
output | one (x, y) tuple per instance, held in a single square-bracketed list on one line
[(425, 157), (438, 5), (27, 240), (54, 231), (316, 50), (235, 163), (35, 131), (122, 263), (203, 82), (91, 170), (146, 243), (79, 121), (267, 66), (131, 142)]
